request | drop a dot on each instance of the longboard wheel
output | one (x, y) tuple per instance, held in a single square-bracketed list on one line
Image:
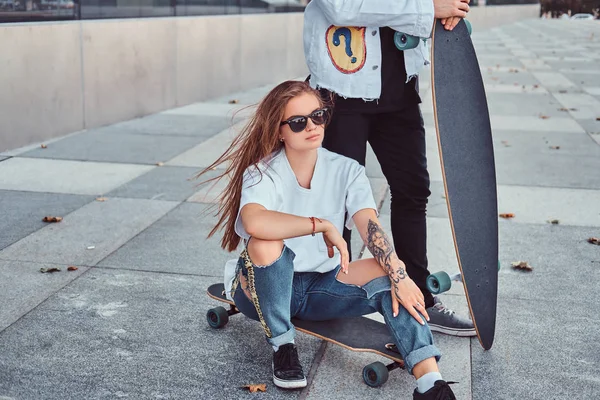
[(469, 27), (375, 374), (404, 41), (438, 283), (217, 317), (498, 265)]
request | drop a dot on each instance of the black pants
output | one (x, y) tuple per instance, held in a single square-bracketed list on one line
[(398, 140)]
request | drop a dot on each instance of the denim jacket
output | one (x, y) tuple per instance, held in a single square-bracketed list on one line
[(342, 47)]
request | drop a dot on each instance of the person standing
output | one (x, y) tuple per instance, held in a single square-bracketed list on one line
[(352, 59)]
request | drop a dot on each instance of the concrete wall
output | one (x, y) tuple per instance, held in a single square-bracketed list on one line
[(57, 78)]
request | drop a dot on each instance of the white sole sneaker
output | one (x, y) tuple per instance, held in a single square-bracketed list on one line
[(453, 331), (289, 384)]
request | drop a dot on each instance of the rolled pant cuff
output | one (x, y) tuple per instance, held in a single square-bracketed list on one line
[(416, 356), (282, 339)]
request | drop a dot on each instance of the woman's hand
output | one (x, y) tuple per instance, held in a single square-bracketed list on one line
[(333, 238), (407, 293)]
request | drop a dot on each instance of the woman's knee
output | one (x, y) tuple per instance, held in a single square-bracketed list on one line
[(264, 252)]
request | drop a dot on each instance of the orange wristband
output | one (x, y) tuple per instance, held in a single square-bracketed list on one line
[(314, 225)]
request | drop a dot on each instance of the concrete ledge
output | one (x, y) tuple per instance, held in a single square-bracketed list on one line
[(62, 77)]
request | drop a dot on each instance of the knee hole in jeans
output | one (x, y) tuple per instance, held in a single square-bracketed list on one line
[(264, 253), (244, 285)]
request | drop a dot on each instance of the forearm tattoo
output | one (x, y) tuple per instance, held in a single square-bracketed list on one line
[(380, 246)]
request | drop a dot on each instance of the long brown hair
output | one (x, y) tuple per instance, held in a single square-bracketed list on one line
[(258, 139)]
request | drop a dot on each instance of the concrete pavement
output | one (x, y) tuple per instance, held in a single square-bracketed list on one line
[(129, 323)]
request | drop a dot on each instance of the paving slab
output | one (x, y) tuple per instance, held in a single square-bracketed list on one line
[(340, 373), (115, 334), (21, 213), (524, 104), (207, 152), (172, 125), (117, 147), (23, 287), (248, 97), (539, 205), (553, 80), (563, 263), (233, 112), (591, 126), (105, 226), (176, 243), (542, 166), (524, 123), (62, 176), (540, 352), (593, 90), (512, 78), (506, 88), (587, 78), (162, 183), (36, 145), (580, 105), (211, 191)]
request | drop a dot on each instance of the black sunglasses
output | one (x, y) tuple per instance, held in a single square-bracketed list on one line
[(298, 123)]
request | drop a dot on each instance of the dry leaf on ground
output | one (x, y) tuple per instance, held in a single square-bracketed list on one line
[(594, 240), (160, 163), (553, 221), (507, 215), (555, 147), (72, 268), (522, 265), (255, 388), (544, 117), (43, 146), (101, 199), (563, 109), (49, 270), (50, 218), (234, 101)]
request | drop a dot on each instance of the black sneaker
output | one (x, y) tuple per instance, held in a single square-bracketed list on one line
[(444, 320), (287, 371), (440, 391)]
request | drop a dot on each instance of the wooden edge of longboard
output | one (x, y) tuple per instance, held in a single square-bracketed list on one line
[(360, 350), (437, 128)]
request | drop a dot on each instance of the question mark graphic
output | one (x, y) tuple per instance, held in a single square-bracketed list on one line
[(345, 32)]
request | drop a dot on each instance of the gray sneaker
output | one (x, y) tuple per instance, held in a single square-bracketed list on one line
[(444, 320)]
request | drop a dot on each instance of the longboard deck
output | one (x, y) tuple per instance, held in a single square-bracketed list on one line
[(357, 334), (466, 151)]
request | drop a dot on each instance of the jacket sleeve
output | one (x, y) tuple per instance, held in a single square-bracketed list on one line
[(413, 17)]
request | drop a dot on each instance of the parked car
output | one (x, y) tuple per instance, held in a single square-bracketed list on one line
[(582, 16)]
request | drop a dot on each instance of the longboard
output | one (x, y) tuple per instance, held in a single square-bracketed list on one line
[(357, 334), (466, 151)]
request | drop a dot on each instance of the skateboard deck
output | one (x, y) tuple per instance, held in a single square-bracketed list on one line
[(466, 151), (357, 334)]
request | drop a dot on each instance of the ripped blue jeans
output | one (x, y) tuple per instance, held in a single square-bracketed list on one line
[(277, 294)]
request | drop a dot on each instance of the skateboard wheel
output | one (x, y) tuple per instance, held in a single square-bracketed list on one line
[(404, 41), (217, 317), (469, 27), (375, 374), (438, 283), (498, 265)]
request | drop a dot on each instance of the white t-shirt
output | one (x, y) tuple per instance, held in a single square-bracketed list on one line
[(339, 185)]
